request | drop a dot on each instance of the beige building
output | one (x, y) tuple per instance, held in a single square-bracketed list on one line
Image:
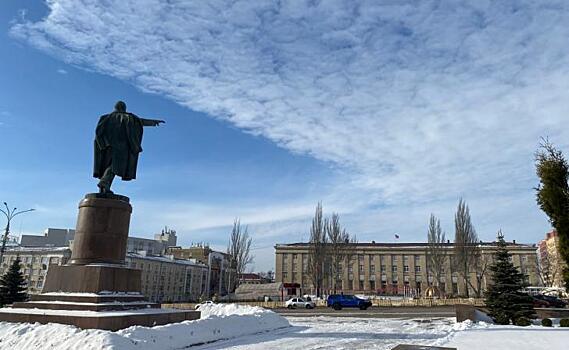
[(550, 261), (219, 275), (166, 279), (35, 262), (391, 268)]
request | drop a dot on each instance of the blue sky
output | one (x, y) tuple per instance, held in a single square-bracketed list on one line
[(386, 112)]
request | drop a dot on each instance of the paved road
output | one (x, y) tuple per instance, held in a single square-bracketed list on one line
[(373, 312)]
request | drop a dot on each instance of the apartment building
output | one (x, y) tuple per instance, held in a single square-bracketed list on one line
[(166, 279), (550, 261), (35, 262), (392, 268)]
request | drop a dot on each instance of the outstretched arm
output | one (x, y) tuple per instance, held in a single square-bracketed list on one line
[(151, 122)]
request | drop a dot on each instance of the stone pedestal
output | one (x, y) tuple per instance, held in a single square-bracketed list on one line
[(96, 289)]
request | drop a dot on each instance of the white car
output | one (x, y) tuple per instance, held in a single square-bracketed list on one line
[(299, 302), (209, 302)]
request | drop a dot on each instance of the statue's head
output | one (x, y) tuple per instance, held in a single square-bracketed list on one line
[(120, 106)]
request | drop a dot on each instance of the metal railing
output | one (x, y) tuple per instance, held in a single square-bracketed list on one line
[(375, 302)]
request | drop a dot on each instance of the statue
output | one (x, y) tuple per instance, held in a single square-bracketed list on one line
[(118, 142)]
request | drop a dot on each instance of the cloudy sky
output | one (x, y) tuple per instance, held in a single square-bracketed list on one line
[(386, 111)]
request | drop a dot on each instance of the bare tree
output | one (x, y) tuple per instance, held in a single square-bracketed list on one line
[(466, 245), (480, 264), (239, 251), (436, 250), (340, 249), (317, 250)]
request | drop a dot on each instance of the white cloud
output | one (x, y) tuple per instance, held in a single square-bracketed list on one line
[(421, 101), (62, 71)]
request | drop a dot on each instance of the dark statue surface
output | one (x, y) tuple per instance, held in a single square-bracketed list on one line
[(118, 141)]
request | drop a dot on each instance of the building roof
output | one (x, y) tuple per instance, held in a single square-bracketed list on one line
[(166, 259), (37, 249), (406, 245)]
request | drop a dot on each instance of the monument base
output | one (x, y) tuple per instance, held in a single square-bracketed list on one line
[(92, 278), (96, 289), (108, 320)]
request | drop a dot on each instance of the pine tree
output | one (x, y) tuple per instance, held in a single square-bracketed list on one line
[(504, 297), (12, 285)]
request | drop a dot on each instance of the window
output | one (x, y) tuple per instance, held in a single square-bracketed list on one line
[(405, 268), (383, 268), (417, 259), (372, 269), (524, 258), (350, 269), (382, 258), (361, 285), (394, 259), (417, 268), (294, 256), (405, 258), (360, 258), (372, 285), (394, 268), (293, 266), (361, 268), (285, 275)]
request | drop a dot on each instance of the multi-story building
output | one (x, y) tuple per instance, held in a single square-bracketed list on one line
[(393, 268), (551, 263), (166, 279), (220, 274), (157, 246), (34, 263)]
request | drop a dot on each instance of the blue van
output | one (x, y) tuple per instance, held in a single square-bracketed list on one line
[(338, 301)]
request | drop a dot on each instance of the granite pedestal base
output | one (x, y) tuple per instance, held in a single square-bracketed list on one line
[(96, 290), (92, 278)]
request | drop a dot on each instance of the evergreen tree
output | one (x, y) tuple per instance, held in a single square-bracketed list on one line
[(12, 285), (504, 297), (553, 196)]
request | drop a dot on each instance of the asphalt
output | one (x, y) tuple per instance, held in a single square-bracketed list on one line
[(373, 312)]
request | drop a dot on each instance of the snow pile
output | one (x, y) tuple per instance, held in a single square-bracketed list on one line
[(482, 335), (218, 322)]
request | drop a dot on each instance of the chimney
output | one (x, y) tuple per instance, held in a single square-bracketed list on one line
[(514, 241), (448, 241)]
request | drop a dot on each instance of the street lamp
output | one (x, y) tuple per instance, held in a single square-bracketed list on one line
[(10, 214)]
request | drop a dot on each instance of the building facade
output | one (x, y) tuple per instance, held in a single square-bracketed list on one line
[(551, 263), (34, 263), (393, 268), (169, 280), (219, 275)]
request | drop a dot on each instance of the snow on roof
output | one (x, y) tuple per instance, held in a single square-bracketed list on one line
[(166, 259)]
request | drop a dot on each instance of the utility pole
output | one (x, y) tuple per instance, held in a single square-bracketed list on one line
[(10, 214)]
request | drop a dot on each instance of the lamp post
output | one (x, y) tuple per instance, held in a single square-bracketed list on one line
[(10, 214)]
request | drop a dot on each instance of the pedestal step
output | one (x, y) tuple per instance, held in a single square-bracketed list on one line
[(109, 320), (66, 305), (88, 297)]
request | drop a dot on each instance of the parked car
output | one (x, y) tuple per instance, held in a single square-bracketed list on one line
[(548, 301), (299, 302), (338, 301), (209, 302)]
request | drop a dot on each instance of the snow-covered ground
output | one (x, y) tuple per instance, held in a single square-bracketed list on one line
[(217, 322), (244, 327), (309, 333)]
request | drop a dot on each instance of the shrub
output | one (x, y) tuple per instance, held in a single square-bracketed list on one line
[(523, 322), (546, 322), (564, 322)]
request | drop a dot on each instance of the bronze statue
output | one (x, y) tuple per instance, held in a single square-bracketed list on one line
[(118, 142)]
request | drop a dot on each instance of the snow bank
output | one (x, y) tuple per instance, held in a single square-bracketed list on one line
[(218, 322), (486, 336)]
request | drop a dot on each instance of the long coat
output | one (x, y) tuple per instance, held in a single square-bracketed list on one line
[(118, 141)]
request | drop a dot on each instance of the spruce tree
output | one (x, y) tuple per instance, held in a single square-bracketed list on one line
[(504, 297), (12, 285)]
